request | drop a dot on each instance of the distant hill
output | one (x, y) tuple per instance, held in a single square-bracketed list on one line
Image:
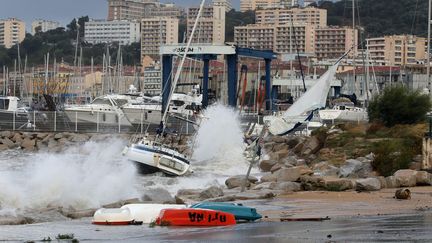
[(381, 17)]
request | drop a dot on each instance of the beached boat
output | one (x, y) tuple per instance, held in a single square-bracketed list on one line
[(113, 216), (239, 211), (150, 154), (147, 213), (194, 217)]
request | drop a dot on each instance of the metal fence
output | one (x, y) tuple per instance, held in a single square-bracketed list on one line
[(94, 122)]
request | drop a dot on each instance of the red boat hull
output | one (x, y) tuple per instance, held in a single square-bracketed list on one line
[(194, 217)]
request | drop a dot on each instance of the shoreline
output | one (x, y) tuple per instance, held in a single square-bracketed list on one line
[(323, 204)]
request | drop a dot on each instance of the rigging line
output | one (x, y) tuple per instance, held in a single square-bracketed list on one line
[(298, 54)]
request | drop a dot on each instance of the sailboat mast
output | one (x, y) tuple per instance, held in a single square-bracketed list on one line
[(180, 67), (428, 48), (354, 43)]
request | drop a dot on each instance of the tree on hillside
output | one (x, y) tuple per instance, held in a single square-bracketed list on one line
[(234, 18), (399, 105), (384, 17)]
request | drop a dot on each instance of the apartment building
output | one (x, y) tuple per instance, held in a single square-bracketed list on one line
[(157, 31), (260, 37), (224, 3), (12, 32), (138, 9), (397, 50), (211, 26), (334, 41), (252, 5), (152, 80), (121, 31), (285, 38), (313, 16), (130, 9), (41, 25)]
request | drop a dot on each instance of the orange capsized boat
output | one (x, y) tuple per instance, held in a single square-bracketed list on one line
[(194, 217)]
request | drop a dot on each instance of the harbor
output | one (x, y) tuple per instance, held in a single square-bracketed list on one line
[(221, 121)]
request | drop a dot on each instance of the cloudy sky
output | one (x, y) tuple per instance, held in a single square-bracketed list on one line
[(64, 10)]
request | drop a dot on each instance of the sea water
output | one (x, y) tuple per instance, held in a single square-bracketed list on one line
[(95, 173)]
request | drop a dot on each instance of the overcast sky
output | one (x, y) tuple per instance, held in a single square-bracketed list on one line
[(65, 10)]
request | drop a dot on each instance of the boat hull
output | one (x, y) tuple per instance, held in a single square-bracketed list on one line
[(343, 115), (137, 116), (150, 159), (239, 211), (147, 213), (93, 117), (113, 216), (194, 217)]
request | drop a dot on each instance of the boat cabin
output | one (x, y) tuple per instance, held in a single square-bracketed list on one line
[(9, 103)]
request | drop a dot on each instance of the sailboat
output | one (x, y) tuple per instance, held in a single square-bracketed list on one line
[(302, 110), (151, 155)]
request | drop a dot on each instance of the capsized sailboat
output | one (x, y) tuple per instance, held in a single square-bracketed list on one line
[(302, 110), (151, 155)]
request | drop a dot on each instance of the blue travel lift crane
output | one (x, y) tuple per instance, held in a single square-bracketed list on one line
[(210, 52)]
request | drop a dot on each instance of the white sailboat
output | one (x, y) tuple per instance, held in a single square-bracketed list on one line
[(152, 156), (302, 110)]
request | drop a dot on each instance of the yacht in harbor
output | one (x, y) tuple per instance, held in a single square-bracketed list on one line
[(12, 114), (104, 110)]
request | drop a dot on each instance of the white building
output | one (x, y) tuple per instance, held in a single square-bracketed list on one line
[(41, 25), (122, 31), (224, 3)]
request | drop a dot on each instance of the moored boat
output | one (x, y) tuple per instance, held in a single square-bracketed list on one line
[(239, 211), (147, 213), (194, 217), (113, 216)]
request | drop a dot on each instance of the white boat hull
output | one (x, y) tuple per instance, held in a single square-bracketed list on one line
[(142, 116), (148, 213), (151, 159), (102, 118), (343, 115), (113, 216)]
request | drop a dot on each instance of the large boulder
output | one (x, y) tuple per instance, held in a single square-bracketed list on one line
[(211, 192), (311, 146), (17, 138), (29, 144), (406, 178), (79, 138), (157, 195), (312, 183), (253, 195), (287, 186), (289, 174), (278, 139), (280, 147), (391, 182), (292, 141), (324, 169), (338, 184), (6, 141), (265, 186), (355, 169), (6, 134), (423, 178), (239, 180), (266, 165), (269, 177), (368, 184)]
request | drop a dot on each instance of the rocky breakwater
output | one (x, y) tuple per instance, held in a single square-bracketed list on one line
[(56, 142), (292, 164)]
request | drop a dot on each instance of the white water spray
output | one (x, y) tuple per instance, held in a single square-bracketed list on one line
[(84, 176)]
